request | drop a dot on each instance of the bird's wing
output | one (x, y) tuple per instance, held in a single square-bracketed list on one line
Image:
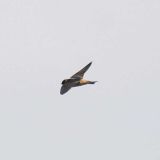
[(65, 88), (80, 73)]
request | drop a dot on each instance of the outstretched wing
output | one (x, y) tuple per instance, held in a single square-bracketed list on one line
[(65, 88), (80, 73)]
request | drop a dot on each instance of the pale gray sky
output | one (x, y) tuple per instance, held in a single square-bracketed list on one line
[(43, 42)]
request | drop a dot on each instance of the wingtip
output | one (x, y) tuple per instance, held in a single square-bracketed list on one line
[(90, 63), (61, 93)]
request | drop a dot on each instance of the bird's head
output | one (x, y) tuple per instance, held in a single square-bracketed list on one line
[(64, 81)]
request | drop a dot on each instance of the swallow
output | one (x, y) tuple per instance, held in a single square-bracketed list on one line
[(76, 80)]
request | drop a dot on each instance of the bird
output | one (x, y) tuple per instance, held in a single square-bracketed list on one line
[(76, 80)]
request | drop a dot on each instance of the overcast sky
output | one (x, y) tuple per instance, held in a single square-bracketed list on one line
[(44, 42)]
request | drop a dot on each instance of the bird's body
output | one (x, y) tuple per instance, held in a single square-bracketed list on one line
[(76, 80)]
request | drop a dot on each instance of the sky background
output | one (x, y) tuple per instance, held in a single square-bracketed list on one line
[(44, 42)]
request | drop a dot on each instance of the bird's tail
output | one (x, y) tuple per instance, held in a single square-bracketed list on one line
[(92, 82)]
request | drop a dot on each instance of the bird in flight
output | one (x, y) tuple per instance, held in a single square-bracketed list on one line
[(76, 80)]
